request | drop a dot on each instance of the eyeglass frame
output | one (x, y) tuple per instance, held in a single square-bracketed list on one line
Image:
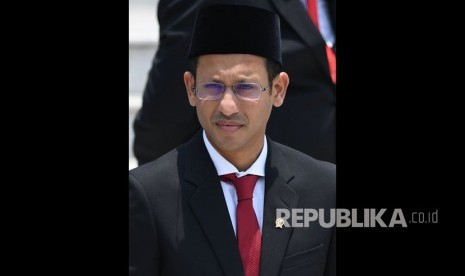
[(233, 90)]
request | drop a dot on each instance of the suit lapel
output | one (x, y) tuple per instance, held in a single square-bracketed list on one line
[(209, 206), (278, 194), (294, 13)]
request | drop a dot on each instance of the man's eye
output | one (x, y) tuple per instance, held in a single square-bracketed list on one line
[(245, 86), (213, 85)]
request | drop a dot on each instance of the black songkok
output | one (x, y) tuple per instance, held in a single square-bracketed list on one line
[(236, 29)]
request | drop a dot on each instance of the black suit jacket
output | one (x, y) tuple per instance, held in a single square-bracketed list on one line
[(307, 119), (179, 222)]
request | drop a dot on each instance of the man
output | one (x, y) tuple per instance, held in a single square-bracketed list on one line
[(189, 213), (306, 122)]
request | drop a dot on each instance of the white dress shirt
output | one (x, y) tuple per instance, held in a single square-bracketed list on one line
[(223, 166)]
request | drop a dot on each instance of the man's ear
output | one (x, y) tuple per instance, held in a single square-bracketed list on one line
[(189, 82), (280, 88)]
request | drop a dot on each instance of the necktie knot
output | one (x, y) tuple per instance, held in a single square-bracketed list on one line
[(244, 185)]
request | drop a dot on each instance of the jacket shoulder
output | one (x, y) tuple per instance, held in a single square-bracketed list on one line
[(300, 159), (161, 170), (309, 173)]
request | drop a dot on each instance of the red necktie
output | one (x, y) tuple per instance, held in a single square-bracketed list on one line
[(313, 12), (248, 232)]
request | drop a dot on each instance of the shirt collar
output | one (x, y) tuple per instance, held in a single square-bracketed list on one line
[(223, 166)]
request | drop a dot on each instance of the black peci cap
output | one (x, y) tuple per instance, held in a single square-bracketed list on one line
[(236, 29)]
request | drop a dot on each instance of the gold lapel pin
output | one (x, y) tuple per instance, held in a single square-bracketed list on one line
[(279, 223)]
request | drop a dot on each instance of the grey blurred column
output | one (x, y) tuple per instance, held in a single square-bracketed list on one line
[(143, 41)]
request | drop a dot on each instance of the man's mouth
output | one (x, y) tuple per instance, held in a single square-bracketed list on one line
[(228, 126)]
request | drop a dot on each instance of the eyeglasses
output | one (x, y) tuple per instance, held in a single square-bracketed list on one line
[(212, 91)]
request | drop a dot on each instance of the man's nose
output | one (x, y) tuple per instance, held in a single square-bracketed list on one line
[(229, 103)]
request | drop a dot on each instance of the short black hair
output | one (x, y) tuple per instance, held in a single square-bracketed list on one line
[(273, 68)]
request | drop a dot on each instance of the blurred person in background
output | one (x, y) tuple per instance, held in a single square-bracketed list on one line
[(306, 122)]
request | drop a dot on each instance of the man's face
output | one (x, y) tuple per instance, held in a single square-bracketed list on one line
[(233, 125)]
